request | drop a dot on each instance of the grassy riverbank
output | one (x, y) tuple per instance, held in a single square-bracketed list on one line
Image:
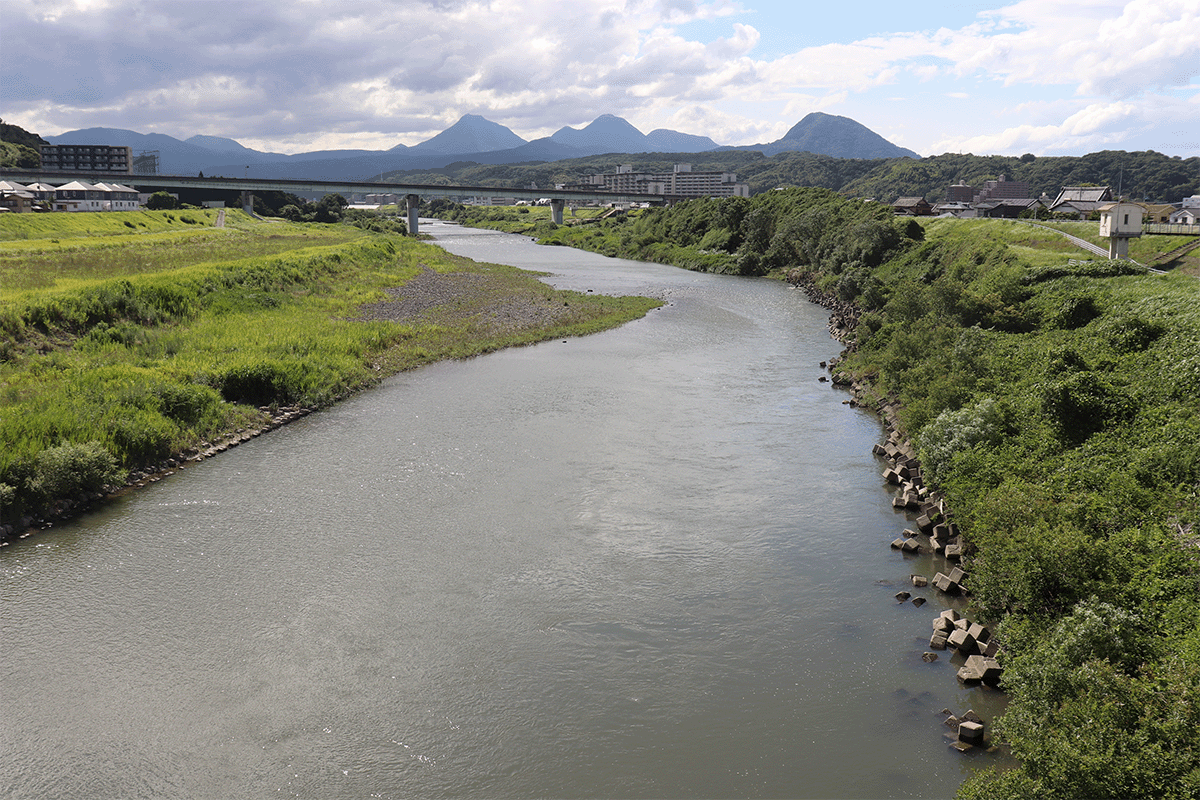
[(124, 346), (1055, 405)]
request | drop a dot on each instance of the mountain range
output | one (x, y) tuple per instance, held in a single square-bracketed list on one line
[(474, 138)]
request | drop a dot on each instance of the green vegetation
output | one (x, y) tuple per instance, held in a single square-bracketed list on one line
[(19, 148), (121, 349), (738, 236), (1140, 175), (1053, 399), (527, 220)]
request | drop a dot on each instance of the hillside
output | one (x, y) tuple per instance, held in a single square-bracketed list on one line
[(1140, 175)]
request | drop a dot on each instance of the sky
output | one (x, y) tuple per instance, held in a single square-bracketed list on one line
[(1049, 77)]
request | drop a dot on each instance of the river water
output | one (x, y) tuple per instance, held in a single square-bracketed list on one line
[(647, 563)]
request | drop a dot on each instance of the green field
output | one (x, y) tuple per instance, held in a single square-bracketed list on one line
[(121, 347)]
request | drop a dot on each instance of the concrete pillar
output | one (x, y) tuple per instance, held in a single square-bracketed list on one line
[(414, 201), (556, 209), (1118, 247), (248, 202)]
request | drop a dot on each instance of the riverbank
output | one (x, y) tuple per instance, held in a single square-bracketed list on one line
[(128, 357), (1051, 397)]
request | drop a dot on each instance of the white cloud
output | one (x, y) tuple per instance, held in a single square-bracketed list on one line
[(402, 70)]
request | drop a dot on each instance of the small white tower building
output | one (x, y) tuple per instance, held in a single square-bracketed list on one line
[(1120, 222)]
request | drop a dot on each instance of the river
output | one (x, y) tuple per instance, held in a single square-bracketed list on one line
[(647, 563)]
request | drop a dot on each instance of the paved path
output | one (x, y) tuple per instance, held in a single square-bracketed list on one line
[(221, 218)]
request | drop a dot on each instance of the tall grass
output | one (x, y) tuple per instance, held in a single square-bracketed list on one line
[(143, 362)]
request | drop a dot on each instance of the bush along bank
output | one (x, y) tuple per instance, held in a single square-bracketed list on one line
[(117, 377), (1065, 434), (1051, 401)]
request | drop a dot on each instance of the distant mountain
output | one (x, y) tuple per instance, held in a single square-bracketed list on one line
[(476, 139), (605, 134), (611, 134), (218, 144), (829, 135), (665, 141), (471, 134)]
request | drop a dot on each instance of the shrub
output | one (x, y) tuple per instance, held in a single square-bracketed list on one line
[(72, 468), (954, 432)]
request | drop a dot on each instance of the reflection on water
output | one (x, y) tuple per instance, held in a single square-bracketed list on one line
[(651, 562)]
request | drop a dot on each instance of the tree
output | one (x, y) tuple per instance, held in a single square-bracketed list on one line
[(330, 208), (162, 201)]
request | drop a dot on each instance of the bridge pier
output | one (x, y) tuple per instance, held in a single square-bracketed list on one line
[(414, 202), (248, 202), (556, 209)]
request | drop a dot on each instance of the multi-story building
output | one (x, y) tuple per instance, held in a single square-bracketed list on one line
[(96, 158), (679, 182), (960, 193), (1003, 189)]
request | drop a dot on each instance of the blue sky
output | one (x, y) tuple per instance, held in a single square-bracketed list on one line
[(1043, 76)]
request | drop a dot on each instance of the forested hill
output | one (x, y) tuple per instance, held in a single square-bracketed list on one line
[(1141, 175)]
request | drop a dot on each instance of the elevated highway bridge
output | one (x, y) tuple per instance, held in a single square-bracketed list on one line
[(412, 192)]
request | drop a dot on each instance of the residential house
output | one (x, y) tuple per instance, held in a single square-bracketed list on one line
[(955, 208), (912, 207), (1158, 213), (16, 198), (80, 196), (1008, 208), (1081, 200), (1185, 216), (119, 197)]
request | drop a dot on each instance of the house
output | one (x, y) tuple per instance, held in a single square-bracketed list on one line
[(912, 207), (16, 198), (119, 197), (954, 208), (1185, 216), (1158, 213), (1009, 208), (43, 192), (1081, 200)]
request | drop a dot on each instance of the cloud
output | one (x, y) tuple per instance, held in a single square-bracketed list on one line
[(1091, 127), (402, 70)]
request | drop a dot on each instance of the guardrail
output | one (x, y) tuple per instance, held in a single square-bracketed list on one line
[(1168, 228)]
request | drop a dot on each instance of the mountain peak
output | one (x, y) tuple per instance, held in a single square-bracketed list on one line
[(471, 134), (840, 137), (607, 133)]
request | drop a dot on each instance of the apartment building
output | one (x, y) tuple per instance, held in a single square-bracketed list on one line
[(679, 182), (96, 158)]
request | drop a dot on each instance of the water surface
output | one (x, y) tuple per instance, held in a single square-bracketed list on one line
[(651, 562)]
